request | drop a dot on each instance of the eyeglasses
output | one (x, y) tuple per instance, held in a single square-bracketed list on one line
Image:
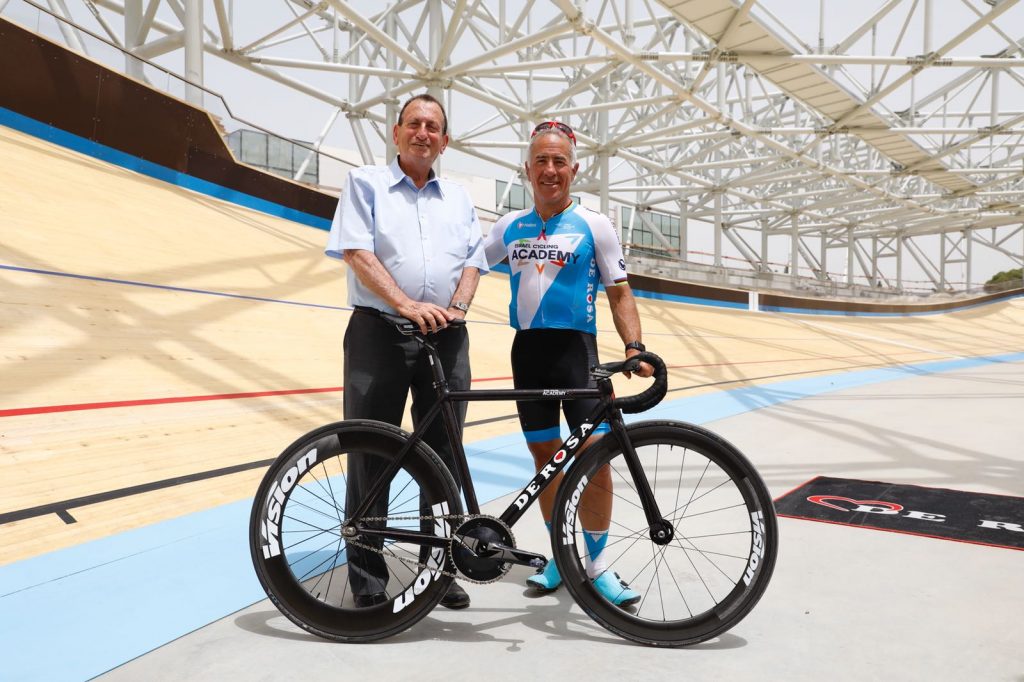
[(556, 125)]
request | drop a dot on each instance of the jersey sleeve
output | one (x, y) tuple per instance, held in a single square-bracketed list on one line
[(608, 252), (494, 243)]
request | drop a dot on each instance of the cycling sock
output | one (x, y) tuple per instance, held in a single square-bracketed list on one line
[(596, 540)]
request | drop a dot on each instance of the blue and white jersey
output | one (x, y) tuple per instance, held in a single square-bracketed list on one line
[(556, 266)]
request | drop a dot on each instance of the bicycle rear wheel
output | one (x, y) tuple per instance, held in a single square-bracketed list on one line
[(724, 543), (311, 572)]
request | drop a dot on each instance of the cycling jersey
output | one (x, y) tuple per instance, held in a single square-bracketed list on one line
[(556, 266)]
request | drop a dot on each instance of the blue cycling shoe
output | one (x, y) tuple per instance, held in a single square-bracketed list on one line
[(614, 589), (546, 580)]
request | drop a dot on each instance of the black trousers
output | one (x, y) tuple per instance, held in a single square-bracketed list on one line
[(382, 366)]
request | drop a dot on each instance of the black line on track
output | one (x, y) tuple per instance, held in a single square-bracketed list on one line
[(60, 508)]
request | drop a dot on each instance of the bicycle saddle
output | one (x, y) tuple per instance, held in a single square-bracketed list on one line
[(408, 327)]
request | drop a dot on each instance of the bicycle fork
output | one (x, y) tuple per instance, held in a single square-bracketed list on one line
[(661, 530)]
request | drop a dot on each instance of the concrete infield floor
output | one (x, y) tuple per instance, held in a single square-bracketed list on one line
[(844, 604)]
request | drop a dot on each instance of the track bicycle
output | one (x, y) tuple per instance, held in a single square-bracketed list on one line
[(692, 526)]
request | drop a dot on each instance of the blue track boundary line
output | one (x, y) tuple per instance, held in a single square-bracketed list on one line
[(654, 295), (96, 150), (868, 313), (105, 602)]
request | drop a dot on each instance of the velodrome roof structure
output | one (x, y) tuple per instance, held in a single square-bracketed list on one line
[(867, 137)]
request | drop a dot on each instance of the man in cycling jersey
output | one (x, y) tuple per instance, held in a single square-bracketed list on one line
[(412, 243), (558, 252)]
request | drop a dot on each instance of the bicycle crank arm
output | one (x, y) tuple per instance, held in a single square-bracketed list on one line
[(500, 552)]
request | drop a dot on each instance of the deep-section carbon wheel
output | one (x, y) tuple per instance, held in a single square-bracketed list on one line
[(721, 533), (312, 572)]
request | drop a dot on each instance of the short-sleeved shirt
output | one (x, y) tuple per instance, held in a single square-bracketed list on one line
[(556, 266), (423, 237)]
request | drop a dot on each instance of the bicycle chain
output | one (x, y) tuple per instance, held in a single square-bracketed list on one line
[(463, 518)]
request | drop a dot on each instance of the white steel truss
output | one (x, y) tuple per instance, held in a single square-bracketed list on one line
[(901, 137)]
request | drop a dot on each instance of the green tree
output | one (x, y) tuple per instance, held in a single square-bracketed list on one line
[(1006, 276)]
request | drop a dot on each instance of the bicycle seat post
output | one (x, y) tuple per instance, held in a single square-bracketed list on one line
[(440, 381)]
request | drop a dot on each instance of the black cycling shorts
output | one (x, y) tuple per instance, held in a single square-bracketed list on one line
[(553, 358)]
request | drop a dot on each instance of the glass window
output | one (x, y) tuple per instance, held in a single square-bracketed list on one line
[(516, 199), (275, 155), (279, 154), (643, 238), (254, 148)]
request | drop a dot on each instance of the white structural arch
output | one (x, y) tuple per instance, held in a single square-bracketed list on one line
[(890, 141)]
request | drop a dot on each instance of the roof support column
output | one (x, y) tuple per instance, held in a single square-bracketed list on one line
[(132, 22), (927, 26), (850, 242), (627, 237), (355, 120), (391, 108), (719, 222), (194, 51), (684, 242), (764, 245), (437, 34), (602, 156), (794, 246), (899, 262), (718, 228), (942, 262), (823, 260), (968, 241), (821, 27), (993, 117)]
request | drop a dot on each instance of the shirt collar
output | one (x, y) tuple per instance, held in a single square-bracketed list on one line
[(555, 219), (398, 175)]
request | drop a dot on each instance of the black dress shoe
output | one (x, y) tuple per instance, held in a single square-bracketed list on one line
[(367, 600), (456, 597)]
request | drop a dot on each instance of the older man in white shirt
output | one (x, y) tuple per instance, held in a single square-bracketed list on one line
[(413, 245)]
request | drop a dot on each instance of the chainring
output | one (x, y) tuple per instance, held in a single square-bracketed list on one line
[(481, 569)]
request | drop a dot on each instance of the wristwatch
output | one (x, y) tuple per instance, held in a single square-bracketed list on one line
[(636, 345), (459, 305)]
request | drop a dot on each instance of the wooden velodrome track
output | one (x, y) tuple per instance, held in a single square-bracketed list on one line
[(153, 337)]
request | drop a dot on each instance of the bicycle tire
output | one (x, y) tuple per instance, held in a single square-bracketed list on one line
[(300, 556), (720, 560)]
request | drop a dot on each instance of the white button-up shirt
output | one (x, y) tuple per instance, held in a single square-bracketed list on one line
[(423, 237)]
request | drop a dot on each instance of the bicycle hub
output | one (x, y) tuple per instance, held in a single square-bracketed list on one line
[(662, 532)]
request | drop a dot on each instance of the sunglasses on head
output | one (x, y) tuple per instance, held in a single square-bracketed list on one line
[(556, 125)]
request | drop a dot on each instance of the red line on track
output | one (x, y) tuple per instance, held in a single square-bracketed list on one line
[(159, 401), (47, 409), (299, 391)]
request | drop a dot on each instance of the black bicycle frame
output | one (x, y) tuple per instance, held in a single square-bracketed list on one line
[(605, 411)]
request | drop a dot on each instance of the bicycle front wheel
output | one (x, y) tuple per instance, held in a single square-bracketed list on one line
[(724, 535), (359, 588)]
